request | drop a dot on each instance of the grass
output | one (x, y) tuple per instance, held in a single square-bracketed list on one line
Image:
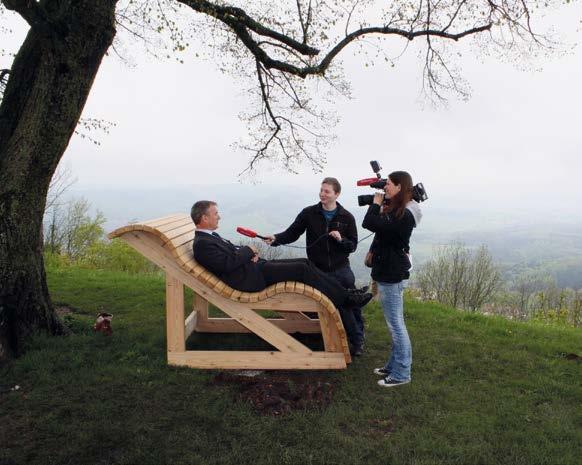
[(485, 391)]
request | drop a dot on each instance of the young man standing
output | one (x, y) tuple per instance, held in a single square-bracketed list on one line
[(331, 236)]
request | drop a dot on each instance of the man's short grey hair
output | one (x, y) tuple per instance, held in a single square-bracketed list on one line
[(334, 183), (200, 208)]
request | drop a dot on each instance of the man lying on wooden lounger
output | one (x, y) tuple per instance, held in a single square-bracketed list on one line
[(242, 268)]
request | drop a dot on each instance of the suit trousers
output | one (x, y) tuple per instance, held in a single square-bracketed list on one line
[(304, 271), (351, 317)]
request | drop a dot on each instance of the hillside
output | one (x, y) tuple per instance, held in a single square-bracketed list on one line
[(484, 391), (517, 239)]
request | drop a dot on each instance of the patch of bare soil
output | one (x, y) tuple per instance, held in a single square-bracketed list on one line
[(382, 426), (280, 393), (64, 309), (573, 357)]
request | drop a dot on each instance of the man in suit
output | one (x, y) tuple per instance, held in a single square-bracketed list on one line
[(243, 269)]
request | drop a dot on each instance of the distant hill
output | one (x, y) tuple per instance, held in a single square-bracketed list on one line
[(516, 239)]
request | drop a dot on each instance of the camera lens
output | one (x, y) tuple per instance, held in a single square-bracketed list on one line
[(365, 200)]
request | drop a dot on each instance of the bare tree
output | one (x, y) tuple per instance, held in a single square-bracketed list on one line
[(459, 278), (53, 218), (526, 285), (80, 230), (445, 276), (484, 278), (71, 229), (61, 182)]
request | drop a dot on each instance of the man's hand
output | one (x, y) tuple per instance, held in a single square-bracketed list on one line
[(336, 235), (255, 257), (269, 239), (379, 198), (368, 259)]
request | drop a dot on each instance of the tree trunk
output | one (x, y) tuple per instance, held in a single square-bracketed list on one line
[(50, 80)]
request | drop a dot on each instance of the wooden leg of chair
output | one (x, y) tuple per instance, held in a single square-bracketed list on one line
[(200, 305), (175, 315), (190, 324), (329, 332)]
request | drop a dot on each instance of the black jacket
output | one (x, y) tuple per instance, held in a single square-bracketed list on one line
[(232, 264), (325, 252), (390, 262)]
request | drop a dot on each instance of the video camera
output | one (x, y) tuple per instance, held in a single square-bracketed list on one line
[(418, 192)]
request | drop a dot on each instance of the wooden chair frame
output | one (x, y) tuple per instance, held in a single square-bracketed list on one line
[(167, 242)]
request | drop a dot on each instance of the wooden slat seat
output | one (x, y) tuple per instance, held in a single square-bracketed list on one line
[(167, 241)]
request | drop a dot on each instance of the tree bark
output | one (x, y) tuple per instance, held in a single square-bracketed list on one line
[(49, 83)]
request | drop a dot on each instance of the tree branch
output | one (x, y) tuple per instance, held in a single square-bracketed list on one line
[(265, 98), (237, 18), (31, 11), (410, 35), (241, 23), (454, 15)]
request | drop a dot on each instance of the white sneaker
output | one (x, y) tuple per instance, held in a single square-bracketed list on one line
[(390, 382)]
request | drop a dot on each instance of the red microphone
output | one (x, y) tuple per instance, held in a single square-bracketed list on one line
[(248, 232), (366, 182)]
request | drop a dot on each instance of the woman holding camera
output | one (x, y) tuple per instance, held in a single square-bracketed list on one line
[(392, 216)]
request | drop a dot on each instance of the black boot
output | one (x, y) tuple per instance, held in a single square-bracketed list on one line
[(356, 299)]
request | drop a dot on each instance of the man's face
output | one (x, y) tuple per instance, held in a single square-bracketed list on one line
[(210, 218), (327, 194)]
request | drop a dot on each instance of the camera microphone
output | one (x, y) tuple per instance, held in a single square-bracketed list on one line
[(366, 182)]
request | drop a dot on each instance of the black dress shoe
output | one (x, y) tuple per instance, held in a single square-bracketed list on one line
[(356, 351), (357, 300)]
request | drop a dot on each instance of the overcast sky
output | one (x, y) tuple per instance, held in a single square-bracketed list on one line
[(515, 144)]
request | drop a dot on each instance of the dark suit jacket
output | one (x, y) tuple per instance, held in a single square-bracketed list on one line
[(232, 264)]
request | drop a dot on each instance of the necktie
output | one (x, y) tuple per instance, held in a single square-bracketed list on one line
[(226, 241)]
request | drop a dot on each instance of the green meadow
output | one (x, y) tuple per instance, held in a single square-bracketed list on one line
[(484, 391)]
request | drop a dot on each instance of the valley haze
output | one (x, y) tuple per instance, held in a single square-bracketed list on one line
[(518, 238)]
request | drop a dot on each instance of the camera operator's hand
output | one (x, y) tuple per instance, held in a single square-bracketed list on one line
[(379, 198), (336, 235), (368, 259), (255, 259), (269, 239)]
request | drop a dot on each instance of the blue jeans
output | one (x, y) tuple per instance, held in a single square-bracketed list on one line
[(400, 359), (351, 318)]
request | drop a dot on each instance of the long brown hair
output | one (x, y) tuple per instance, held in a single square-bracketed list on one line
[(397, 204)]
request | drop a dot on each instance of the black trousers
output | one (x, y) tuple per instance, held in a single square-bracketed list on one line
[(304, 271), (351, 317)]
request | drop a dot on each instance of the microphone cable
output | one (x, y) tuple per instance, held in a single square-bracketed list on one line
[(317, 240)]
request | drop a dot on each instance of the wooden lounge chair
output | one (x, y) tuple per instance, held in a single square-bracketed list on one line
[(167, 242)]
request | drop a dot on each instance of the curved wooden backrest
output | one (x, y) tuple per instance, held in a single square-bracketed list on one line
[(175, 234)]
